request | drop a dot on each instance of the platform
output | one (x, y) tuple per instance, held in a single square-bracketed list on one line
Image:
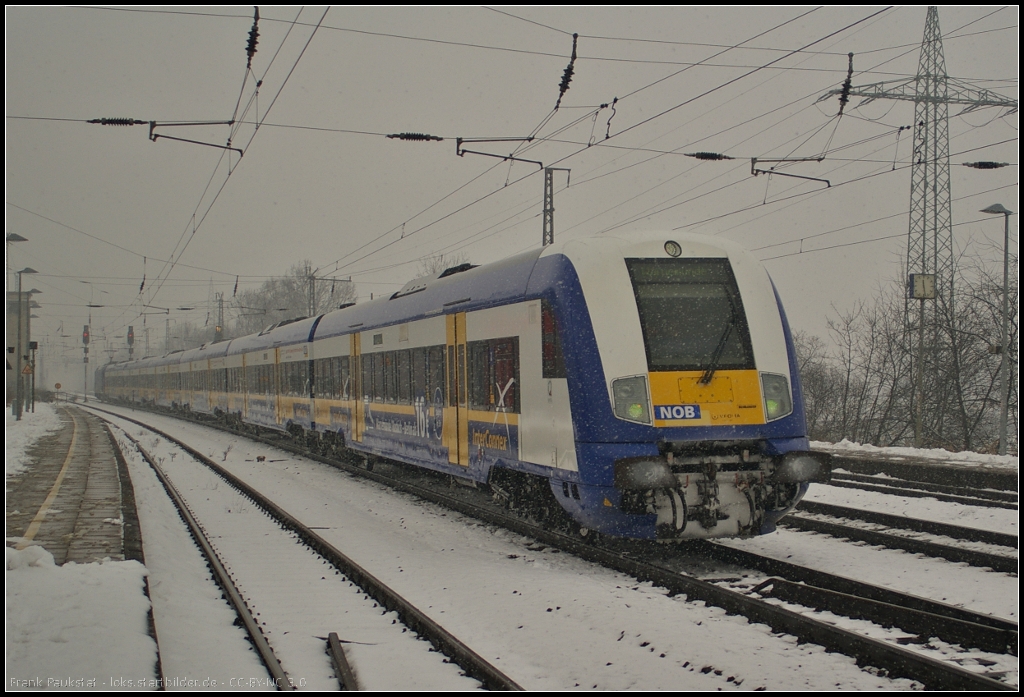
[(74, 497)]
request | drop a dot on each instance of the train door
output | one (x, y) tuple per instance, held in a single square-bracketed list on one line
[(355, 390), (455, 428), (275, 386), (244, 387)]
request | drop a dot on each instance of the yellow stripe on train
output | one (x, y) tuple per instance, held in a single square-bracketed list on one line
[(731, 398)]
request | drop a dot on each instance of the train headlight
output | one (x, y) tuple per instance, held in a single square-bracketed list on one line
[(643, 473), (630, 397), (804, 466), (778, 401), (673, 249)]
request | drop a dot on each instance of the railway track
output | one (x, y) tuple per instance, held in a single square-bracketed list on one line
[(968, 497), (303, 564), (974, 496), (755, 603), (897, 536)]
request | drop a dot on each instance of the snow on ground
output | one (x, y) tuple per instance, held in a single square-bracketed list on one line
[(199, 641), (548, 619), (922, 508), (966, 458), (957, 584), (77, 626), (73, 626), (284, 584), (20, 435)]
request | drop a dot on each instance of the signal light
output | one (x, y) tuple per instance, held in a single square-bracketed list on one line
[(131, 336), (85, 335)]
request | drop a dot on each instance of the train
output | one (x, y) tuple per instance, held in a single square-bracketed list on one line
[(638, 386)]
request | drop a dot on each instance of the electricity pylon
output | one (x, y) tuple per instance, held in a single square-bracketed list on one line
[(930, 237)]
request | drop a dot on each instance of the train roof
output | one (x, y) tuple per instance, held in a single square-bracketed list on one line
[(281, 334), (464, 290), (473, 289)]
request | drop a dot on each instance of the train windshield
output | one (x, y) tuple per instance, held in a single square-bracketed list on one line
[(691, 314)]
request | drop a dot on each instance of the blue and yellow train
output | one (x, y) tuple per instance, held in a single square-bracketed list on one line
[(647, 384)]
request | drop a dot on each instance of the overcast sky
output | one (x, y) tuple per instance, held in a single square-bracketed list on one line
[(102, 206)]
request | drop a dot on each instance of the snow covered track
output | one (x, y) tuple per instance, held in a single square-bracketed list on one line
[(958, 532), (893, 659), (970, 497), (977, 496), (987, 560), (888, 608), (290, 527), (266, 653)]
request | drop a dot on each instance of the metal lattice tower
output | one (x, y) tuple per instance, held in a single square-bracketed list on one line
[(548, 232), (930, 234), (930, 240)]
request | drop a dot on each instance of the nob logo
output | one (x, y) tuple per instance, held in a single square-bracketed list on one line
[(677, 411)]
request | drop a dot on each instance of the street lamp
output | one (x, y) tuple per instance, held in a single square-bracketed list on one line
[(1004, 364), (22, 320)]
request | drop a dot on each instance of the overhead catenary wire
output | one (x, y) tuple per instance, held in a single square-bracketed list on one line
[(431, 236), (200, 221), (762, 33)]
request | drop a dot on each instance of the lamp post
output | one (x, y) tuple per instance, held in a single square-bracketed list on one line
[(1004, 364), (22, 321), (12, 384)]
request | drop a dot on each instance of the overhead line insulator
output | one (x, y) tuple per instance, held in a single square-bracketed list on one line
[(414, 136), (254, 34), (118, 122), (708, 156), (986, 165), (844, 96), (563, 86)]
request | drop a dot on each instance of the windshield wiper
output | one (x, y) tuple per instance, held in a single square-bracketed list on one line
[(709, 372)]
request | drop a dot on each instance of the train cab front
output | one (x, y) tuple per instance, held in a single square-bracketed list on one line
[(707, 436), (716, 488)]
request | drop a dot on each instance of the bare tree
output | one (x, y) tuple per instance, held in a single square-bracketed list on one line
[(294, 295), (864, 388), (432, 266)]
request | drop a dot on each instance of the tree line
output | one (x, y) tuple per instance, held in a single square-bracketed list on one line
[(863, 385)]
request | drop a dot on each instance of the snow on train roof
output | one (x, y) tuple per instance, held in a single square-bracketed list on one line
[(474, 289), (205, 351), (282, 335)]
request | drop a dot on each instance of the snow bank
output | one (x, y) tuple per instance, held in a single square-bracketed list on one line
[(845, 447), (19, 435), (77, 626)]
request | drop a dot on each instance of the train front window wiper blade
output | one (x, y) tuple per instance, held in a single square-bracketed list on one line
[(709, 372)]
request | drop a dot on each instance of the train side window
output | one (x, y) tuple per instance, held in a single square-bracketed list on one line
[(390, 377), (379, 387), (435, 375), (343, 377), (551, 343), (505, 378), (480, 369), (403, 358), (367, 375), (419, 374), (283, 371), (494, 374), (323, 378)]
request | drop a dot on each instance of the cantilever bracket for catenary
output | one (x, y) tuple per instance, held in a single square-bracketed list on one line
[(460, 151), (755, 171), (153, 136)]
